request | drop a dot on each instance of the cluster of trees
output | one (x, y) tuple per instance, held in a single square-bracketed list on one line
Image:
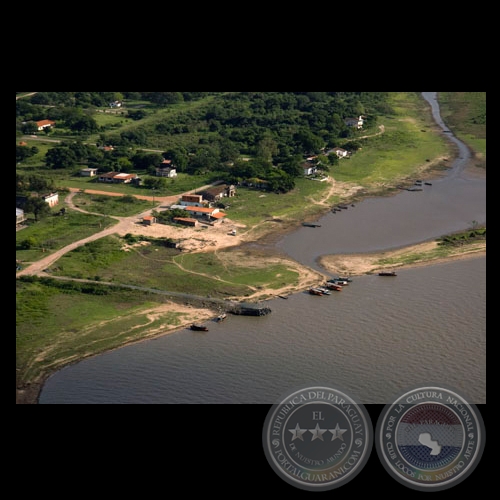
[(275, 129)]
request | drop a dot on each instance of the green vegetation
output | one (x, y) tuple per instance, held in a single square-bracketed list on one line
[(448, 246), (150, 263), (406, 146), (124, 206), (251, 207), (55, 232), (55, 327), (463, 238), (465, 114)]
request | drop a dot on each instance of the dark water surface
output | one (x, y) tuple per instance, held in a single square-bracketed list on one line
[(375, 338)]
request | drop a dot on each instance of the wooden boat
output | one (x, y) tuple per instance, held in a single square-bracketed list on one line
[(221, 317), (334, 286), (338, 281), (345, 278), (310, 224), (199, 328), (316, 291), (387, 273)]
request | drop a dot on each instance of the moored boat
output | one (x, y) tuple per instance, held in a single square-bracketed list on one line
[(221, 317), (315, 291), (334, 286), (199, 328), (387, 273)]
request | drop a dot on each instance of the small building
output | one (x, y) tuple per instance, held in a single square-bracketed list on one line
[(166, 170), (20, 217), (88, 172), (216, 193), (117, 178), (186, 221), (192, 200), (52, 199), (355, 122), (43, 124), (149, 220), (341, 153), (309, 169), (218, 217), (23, 143)]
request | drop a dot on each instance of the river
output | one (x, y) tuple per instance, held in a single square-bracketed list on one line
[(374, 339)]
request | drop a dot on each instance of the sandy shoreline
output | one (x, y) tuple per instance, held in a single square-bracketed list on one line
[(359, 264), (352, 265)]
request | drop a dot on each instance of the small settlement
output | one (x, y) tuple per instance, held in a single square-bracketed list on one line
[(202, 207)]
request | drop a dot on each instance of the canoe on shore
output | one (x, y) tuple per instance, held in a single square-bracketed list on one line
[(199, 328)]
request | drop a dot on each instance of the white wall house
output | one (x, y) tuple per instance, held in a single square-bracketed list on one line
[(52, 199), (88, 172)]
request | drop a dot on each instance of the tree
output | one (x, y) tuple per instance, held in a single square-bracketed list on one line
[(29, 128), (179, 157), (293, 166), (60, 157), (38, 207), (267, 148), (155, 183), (308, 142), (22, 152), (85, 125), (142, 160)]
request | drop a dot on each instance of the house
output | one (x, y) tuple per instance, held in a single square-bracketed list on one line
[(192, 200), (166, 169), (118, 178), (23, 143), (20, 217), (208, 214), (115, 104), (52, 199), (216, 193), (88, 172), (309, 169), (355, 122), (43, 124), (186, 221), (149, 220), (341, 153)]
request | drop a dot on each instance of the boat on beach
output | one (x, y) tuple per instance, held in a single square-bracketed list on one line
[(387, 273), (199, 328), (333, 286), (316, 291), (221, 317)]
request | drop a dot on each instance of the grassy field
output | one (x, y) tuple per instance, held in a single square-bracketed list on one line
[(251, 207), (55, 328), (125, 206), (225, 274), (56, 232), (465, 114), (406, 146)]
